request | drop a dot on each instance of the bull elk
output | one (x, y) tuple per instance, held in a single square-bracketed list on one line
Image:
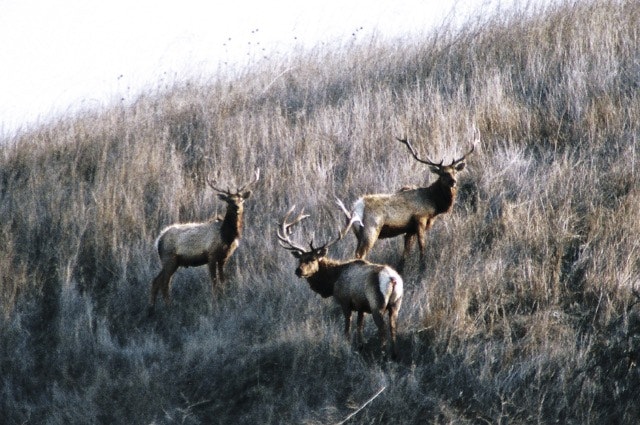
[(355, 285), (196, 244), (410, 212)]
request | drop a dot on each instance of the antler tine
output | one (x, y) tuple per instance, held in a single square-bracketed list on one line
[(353, 218), (342, 207), (415, 154), (285, 230), (340, 235), (473, 147), (212, 184), (251, 183)]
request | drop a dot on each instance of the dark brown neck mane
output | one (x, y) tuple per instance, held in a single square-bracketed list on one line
[(232, 224), (324, 279), (442, 196)]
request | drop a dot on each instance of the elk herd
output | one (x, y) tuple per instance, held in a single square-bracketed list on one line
[(356, 285)]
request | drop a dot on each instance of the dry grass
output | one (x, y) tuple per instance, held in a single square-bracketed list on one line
[(523, 312)]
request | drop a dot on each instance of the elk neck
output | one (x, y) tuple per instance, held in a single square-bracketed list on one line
[(323, 281), (442, 196), (232, 223)]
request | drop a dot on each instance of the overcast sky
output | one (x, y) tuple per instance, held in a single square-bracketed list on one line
[(58, 56)]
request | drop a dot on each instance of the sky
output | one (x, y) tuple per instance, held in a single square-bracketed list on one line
[(60, 56)]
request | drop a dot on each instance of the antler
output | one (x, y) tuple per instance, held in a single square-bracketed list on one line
[(415, 155), (353, 218), (429, 162), (212, 184), (285, 230), (473, 147), (343, 208), (228, 192), (285, 226), (251, 183)]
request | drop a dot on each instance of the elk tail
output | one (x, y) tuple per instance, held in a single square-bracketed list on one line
[(358, 213)]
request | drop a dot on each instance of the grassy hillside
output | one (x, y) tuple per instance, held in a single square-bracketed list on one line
[(525, 310)]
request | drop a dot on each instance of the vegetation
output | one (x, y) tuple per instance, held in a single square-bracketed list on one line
[(524, 311)]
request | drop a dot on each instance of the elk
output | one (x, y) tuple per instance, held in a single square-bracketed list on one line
[(410, 212), (356, 285), (196, 244)]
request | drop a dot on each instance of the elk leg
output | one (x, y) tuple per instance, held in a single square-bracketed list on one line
[(425, 229), (360, 324), (378, 318), (347, 322), (221, 276), (363, 249), (213, 271), (166, 284), (368, 237), (162, 283), (408, 244), (216, 273), (422, 232), (393, 319)]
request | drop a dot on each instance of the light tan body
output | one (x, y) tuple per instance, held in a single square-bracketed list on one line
[(193, 245), (196, 244), (359, 286), (193, 242), (398, 213), (410, 212), (356, 285)]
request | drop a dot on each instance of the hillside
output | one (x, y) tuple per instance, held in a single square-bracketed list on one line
[(525, 310)]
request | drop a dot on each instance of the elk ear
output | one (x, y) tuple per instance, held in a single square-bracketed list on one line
[(460, 166), (322, 252), (434, 170), (246, 194), (223, 197), (296, 254)]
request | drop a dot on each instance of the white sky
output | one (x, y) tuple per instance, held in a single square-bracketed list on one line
[(57, 56)]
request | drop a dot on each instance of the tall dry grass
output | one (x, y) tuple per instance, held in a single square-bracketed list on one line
[(523, 312)]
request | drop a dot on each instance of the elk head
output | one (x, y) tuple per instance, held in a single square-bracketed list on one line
[(237, 198), (309, 260), (446, 173)]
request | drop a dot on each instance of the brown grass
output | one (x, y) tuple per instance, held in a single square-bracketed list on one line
[(524, 311)]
